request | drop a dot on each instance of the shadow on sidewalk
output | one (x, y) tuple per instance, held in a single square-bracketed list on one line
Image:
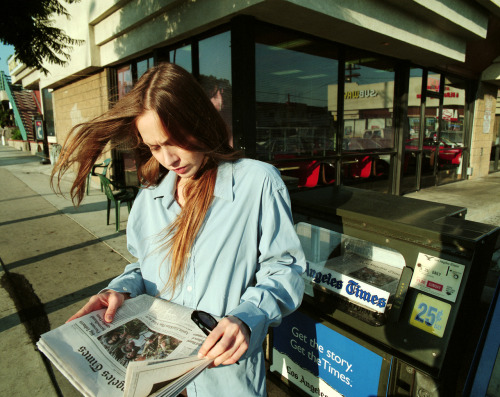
[(50, 254), (19, 159), (29, 218), (90, 207)]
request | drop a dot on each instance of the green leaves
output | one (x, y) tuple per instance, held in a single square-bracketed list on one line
[(29, 27)]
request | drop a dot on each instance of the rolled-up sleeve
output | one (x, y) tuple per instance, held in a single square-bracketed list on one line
[(129, 282), (279, 287)]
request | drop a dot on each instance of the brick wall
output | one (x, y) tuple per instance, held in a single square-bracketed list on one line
[(78, 102), (482, 130)]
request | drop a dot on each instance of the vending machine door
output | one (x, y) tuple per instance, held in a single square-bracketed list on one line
[(321, 360), (392, 290)]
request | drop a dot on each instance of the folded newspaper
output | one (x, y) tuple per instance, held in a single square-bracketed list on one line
[(150, 349)]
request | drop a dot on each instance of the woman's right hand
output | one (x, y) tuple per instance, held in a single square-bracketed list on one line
[(111, 300)]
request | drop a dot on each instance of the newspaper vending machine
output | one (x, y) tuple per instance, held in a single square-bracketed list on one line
[(393, 285)]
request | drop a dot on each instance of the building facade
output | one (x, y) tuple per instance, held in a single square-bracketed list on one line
[(391, 96)]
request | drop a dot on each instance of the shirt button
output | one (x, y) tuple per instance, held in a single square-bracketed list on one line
[(125, 289), (189, 288)]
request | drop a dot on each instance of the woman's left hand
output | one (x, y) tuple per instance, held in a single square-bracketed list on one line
[(227, 342)]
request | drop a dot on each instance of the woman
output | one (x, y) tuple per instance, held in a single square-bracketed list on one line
[(211, 231)]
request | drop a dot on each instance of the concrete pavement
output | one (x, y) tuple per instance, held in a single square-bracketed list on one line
[(55, 256), (480, 196)]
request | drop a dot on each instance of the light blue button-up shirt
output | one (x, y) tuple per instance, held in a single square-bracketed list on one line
[(246, 261)]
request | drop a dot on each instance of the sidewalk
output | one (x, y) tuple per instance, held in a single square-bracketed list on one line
[(54, 257), (57, 256)]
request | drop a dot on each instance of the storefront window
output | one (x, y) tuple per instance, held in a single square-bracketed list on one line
[(368, 104), (495, 146), (215, 73), (443, 140), (453, 113), (48, 113), (433, 82), (182, 57), (296, 113), (124, 166), (451, 139), (412, 151), (430, 142), (368, 120), (434, 148), (125, 80), (144, 65)]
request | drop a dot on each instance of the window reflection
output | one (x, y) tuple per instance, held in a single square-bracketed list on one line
[(451, 136), (368, 105), (412, 153), (125, 80), (434, 148), (495, 146), (48, 112), (215, 73), (433, 82), (453, 112), (124, 161), (143, 66), (294, 114), (368, 134), (182, 57)]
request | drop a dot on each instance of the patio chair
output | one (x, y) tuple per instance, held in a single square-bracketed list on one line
[(104, 165), (122, 194)]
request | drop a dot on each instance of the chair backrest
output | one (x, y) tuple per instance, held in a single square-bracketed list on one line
[(105, 165), (106, 184)]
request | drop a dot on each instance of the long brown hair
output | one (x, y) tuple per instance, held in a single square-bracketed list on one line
[(192, 122)]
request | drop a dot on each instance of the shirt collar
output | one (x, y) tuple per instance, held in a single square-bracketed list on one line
[(166, 189), (223, 185)]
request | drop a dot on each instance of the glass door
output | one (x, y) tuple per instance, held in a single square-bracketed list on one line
[(368, 139), (430, 130), (451, 139), (412, 157), (495, 146), (436, 139)]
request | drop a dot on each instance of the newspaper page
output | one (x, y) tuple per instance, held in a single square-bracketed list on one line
[(94, 355), (162, 378)]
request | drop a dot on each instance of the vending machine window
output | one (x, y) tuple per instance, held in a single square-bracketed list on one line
[(392, 292), (360, 276)]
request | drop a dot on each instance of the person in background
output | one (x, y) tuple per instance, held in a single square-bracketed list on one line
[(210, 230)]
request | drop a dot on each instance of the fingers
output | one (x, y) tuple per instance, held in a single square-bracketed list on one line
[(212, 339), (115, 300), (236, 355), (90, 306), (227, 342), (111, 300)]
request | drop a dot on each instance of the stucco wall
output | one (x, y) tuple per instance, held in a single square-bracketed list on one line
[(78, 102), (483, 127), (113, 31)]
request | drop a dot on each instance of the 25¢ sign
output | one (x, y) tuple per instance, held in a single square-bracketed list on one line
[(430, 315)]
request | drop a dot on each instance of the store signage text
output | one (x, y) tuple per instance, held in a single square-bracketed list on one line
[(360, 94), (447, 94)]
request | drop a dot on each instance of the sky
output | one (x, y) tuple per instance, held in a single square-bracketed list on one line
[(5, 52)]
